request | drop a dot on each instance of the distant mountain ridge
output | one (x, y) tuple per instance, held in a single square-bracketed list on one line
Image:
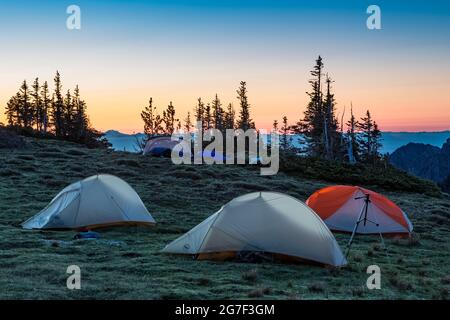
[(394, 140), (123, 141), (115, 133), (424, 160)]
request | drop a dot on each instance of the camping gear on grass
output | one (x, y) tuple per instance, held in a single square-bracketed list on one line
[(98, 201), (266, 222), (352, 208), (212, 155), (86, 235)]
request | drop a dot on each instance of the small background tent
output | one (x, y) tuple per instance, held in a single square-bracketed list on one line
[(341, 206), (212, 155), (262, 222), (160, 147), (97, 201)]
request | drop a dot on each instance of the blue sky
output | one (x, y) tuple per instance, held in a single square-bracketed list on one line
[(127, 51)]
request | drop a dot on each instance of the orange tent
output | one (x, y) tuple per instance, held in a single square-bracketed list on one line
[(341, 207)]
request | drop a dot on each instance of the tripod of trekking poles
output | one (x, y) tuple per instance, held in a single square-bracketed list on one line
[(362, 218)]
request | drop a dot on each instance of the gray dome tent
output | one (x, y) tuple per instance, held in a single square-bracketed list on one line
[(98, 201)]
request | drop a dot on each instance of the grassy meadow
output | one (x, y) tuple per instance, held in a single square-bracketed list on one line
[(126, 263)]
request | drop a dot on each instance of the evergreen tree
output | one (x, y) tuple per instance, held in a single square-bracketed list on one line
[(67, 128), (58, 107), (369, 139), (312, 125), (208, 119), (229, 117), (376, 142), (365, 126), (200, 113), (353, 145), (37, 105), (25, 107), (330, 125), (169, 119), (12, 111), (46, 104), (285, 130), (244, 122), (52, 112), (188, 123), (80, 121), (218, 114), (275, 126), (319, 124), (152, 120)]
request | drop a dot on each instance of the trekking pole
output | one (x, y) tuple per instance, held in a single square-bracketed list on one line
[(349, 244)]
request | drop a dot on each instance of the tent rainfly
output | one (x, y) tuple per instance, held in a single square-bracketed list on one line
[(262, 222), (160, 146), (352, 208), (98, 201)]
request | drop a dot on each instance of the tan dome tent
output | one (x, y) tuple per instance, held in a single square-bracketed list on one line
[(98, 201), (262, 222)]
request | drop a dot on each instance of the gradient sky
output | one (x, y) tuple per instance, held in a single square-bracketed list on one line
[(127, 51)]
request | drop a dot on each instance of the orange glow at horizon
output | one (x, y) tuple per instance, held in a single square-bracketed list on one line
[(120, 110), (395, 108), (116, 92)]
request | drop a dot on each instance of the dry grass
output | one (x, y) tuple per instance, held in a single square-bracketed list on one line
[(126, 263)]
